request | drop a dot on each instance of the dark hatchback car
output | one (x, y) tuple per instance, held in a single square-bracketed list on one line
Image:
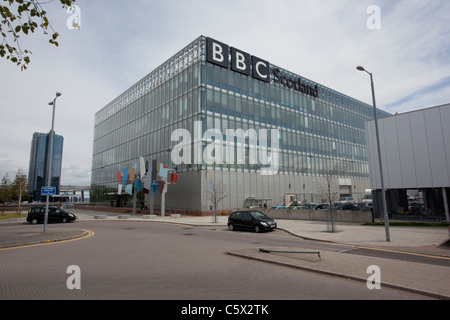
[(251, 220), (37, 214), (345, 206)]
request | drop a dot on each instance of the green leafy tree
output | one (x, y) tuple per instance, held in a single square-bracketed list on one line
[(21, 17), (5, 191), (20, 185)]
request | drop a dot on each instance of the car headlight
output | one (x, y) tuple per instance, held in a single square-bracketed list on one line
[(264, 224)]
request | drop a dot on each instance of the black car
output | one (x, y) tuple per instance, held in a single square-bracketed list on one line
[(37, 215), (252, 220), (346, 206)]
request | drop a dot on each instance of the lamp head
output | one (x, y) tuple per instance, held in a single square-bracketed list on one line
[(58, 94), (360, 68)]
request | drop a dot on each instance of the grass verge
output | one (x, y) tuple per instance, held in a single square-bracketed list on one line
[(10, 215)]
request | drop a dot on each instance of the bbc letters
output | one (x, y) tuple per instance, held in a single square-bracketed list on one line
[(222, 55)]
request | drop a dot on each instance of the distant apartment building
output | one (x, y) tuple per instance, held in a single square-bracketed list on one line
[(38, 169)]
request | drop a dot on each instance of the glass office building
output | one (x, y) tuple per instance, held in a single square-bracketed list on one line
[(210, 86), (37, 172)]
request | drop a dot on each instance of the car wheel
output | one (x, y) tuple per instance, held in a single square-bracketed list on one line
[(65, 220), (34, 221), (231, 227), (257, 229)]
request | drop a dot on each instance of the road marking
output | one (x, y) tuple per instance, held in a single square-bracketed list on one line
[(87, 234)]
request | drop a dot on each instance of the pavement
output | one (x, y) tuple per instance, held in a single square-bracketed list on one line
[(424, 278)]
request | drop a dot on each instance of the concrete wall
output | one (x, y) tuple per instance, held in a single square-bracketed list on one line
[(191, 191), (319, 215)]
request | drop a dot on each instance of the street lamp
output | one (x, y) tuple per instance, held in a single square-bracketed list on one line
[(50, 156), (383, 193)]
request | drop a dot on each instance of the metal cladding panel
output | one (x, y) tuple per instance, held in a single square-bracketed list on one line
[(406, 151), (436, 147), (390, 153), (445, 115), (415, 149), (421, 157)]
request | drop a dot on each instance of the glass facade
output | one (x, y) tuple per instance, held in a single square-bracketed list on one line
[(315, 134), (140, 121), (37, 173)]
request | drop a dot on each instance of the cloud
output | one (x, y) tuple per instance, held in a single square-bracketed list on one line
[(78, 175)]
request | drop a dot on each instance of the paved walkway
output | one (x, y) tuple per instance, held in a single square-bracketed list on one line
[(429, 279)]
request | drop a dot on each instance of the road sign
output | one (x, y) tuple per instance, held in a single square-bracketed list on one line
[(48, 191)]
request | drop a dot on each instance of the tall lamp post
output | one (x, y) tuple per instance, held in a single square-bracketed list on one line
[(50, 156), (383, 193)]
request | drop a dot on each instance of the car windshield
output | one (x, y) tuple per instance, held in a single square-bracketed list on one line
[(257, 214)]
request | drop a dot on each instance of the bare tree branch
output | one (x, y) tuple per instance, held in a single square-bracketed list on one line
[(216, 195)]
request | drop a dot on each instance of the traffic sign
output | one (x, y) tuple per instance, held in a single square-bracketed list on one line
[(48, 191)]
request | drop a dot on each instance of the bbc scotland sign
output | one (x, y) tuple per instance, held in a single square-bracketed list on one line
[(221, 54), (218, 53)]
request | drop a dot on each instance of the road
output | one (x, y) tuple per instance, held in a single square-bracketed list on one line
[(155, 261)]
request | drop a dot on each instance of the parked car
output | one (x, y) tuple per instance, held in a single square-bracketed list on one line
[(346, 200), (309, 205), (414, 207), (37, 215), (365, 206), (367, 198), (345, 206), (279, 207), (251, 220), (324, 206)]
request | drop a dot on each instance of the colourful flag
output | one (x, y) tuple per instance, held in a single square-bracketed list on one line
[(138, 184), (129, 188)]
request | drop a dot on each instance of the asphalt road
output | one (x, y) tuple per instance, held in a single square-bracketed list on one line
[(156, 261)]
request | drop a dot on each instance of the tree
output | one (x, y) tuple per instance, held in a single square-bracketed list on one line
[(20, 184), (5, 191), (330, 192), (216, 195), (20, 17)]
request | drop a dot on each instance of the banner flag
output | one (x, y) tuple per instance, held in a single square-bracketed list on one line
[(125, 176), (161, 186), (138, 184), (154, 186), (129, 188)]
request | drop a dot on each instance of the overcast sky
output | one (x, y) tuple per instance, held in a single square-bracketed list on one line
[(122, 41)]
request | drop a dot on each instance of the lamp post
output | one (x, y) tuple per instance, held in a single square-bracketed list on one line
[(50, 156), (383, 193)]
